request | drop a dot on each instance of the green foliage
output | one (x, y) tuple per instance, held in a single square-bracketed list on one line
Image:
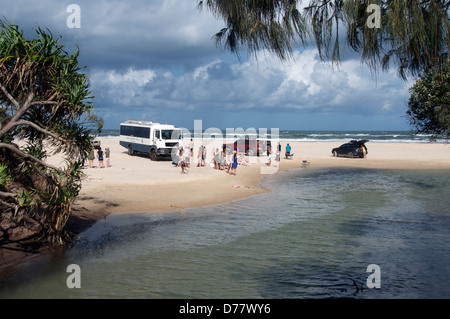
[(26, 198), (5, 176), (37, 150), (45, 101), (266, 24), (413, 33), (429, 102)]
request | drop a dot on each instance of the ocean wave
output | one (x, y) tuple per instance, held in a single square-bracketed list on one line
[(345, 140), (318, 136)]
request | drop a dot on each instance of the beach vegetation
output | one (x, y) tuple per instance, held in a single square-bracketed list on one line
[(429, 102), (407, 34), (46, 109)]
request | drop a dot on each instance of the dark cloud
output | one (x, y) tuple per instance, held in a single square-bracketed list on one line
[(156, 60), (124, 33)]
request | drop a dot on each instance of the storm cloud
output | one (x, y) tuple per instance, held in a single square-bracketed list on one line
[(156, 60)]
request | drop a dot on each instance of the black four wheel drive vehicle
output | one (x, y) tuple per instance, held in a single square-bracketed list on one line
[(352, 149)]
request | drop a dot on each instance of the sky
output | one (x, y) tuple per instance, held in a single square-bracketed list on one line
[(156, 60)]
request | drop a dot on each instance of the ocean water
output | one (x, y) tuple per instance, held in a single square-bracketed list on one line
[(315, 233), (322, 136)]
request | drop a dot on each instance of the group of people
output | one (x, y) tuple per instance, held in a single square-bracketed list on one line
[(227, 162), (220, 159), (278, 153), (183, 159), (201, 156), (100, 157)]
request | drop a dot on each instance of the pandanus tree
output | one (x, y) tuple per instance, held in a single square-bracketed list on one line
[(45, 108)]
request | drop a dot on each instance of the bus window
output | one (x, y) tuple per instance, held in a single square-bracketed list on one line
[(135, 131), (171, 134)]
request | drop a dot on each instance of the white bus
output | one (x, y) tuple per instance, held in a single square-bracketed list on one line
[(154, 139)]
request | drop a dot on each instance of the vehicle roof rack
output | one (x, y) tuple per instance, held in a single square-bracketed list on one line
[(140, 122)]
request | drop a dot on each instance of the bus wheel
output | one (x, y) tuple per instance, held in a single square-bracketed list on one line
[(153, 156), (130, 150)]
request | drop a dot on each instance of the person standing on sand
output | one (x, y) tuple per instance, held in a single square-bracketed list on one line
[(176, 159), (216, 159), (183, 161), (228, 162), (187, 158), (107, 155), (269, 152), (234, 164), (91, 158), (278, 153), (203, 155), (223, 159), (200, 155), (100, 157)]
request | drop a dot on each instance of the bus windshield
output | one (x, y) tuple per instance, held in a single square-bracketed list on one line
[(170, 134)]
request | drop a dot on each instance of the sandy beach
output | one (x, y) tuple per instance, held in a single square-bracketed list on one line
[(137, 184)]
